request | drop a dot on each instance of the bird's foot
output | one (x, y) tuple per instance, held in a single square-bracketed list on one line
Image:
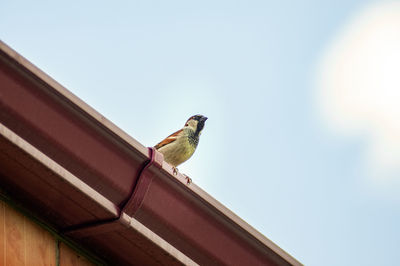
[(188, 179), (174, 170)]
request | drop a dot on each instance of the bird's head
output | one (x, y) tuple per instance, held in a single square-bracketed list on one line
[(196, 123)]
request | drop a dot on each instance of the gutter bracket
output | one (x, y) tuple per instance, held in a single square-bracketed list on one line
[(143, 183), (128, 208)]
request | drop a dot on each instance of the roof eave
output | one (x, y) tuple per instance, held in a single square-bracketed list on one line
[(118, 182)]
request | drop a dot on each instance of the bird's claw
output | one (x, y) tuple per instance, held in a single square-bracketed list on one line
[(174, 170), (188, 180)]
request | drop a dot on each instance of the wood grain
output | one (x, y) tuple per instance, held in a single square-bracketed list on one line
[(40, 246), (14, 237), (25, 243)]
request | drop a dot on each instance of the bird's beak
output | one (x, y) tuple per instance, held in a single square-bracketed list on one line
[(204, 119)]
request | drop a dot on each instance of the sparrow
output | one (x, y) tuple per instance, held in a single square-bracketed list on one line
[(180, 146)]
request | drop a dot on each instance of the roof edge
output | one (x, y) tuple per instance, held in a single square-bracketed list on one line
[(93, 195), (22, 64), (72, 98)]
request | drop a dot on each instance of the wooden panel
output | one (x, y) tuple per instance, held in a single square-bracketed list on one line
[(22, 242), (68, 257), (14, 237), (40, 245)]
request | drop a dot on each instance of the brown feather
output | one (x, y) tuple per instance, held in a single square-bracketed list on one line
[(168, 139)]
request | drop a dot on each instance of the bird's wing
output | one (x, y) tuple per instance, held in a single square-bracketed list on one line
[(169, 139)]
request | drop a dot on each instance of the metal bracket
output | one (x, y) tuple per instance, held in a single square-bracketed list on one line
[(128, 208)]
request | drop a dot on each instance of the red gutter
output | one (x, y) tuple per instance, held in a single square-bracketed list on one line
[(152, 216), (54, 194), (133, 202)]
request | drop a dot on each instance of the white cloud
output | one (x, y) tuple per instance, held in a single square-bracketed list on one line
[(358, 85)]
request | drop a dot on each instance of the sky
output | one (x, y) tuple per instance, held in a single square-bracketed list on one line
[(303, 135)]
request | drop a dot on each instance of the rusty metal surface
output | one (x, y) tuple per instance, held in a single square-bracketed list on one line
[(88, 177)]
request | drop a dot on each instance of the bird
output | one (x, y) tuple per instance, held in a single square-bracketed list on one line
[(180, 145)]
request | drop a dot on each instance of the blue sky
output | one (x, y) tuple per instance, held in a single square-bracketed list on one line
[(280, 148)]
